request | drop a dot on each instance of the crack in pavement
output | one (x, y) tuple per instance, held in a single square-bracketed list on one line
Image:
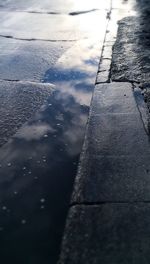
[(27, 82), (75, 13), (107, 202), (36, 39), (31, 12)]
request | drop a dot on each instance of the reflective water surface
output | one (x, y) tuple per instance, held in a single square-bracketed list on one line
[(38, 165), (37, 171)]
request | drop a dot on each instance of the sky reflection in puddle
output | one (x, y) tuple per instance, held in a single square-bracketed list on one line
[(37, 172), (39, 163), (55, 5)]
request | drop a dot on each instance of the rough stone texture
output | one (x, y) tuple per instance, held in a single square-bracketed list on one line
[(114, 163), (102, 77), (18, 102), (131, 54), (108, 234), (104, 65), (107, 52)]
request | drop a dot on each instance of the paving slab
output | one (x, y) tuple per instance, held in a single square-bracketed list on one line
[(112, 178), (107, 233), (34, 26), (104, 65), (116, 134), (56, 6), (113, 98), (102, 77), (114, 164), (28, 60)]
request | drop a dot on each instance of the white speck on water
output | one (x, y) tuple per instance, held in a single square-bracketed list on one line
[(42, 200), (42, 207), (15, 192), (9, 164), (44, 160), (50, 104), (29, 172), (23, 221), (24, 168), (58, 124), (45, 136), (4, 208)]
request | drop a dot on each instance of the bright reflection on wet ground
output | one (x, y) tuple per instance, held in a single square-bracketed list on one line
[(38, 169), (38, 165)]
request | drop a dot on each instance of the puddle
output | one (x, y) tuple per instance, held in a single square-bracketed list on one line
[(37, 172), (38, 165)]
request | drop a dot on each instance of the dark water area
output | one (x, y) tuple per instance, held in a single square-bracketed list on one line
[(37, 170), (39, 163)]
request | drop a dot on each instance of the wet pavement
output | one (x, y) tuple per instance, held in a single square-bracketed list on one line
[(108, 219), (49, 58), (49, 55)]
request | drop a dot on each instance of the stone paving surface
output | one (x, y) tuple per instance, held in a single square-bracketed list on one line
[(131, 54), (115, 140), (107, 233), (110, 202), (108, 220), (43, 45)]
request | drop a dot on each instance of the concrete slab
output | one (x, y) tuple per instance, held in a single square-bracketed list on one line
[(102, 77), (104, 65), (116, 134), (114, 163), (18, 102), (31, 26), (55, 5), (28, 60), (113, 98), (112, 179), (107, 233)]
